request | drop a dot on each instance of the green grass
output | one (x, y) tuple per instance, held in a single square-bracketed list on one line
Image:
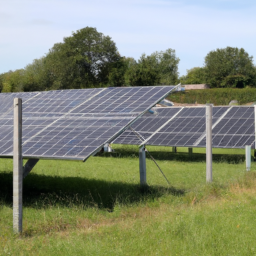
[(98, 207)]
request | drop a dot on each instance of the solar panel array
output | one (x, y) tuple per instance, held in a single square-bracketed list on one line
[(73, 124), (233, 127), (234, 130), (146, 126)]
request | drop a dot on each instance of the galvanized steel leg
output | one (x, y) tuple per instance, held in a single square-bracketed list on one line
[(190, 151), (174, 149), (143, 172)]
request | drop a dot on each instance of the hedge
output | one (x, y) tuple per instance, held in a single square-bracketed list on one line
[(215, 96)]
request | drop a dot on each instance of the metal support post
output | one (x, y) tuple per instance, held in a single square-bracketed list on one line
[(248, 157), (208, 143), (29, 166), (107, 148), (174, 149), (190, 151), (17, 166), (143, 171)]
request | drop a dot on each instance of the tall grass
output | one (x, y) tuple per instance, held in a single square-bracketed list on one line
[(98, 208)]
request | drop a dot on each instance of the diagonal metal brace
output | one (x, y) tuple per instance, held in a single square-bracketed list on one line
[(30, 164)]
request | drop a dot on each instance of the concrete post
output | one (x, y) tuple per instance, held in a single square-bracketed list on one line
[(143, 171), (107, 148), (248, 157), (17, 166), (208, 142)]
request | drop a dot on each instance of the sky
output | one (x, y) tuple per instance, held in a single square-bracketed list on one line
[(193, 28)]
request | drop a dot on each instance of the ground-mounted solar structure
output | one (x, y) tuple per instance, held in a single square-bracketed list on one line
[(66, 124), (232, 127), (73, 124)]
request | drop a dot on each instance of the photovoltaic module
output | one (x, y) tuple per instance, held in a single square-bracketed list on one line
[(232, 127), (73, 124)]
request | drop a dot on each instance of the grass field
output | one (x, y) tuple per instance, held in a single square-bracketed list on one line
[(98, 207)]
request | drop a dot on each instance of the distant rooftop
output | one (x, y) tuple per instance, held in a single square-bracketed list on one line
[(196, 86)]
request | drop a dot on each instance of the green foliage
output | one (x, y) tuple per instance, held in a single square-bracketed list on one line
[(229, 67), (155, 69), (83, 60), (194, 76), (145, 72), (12, 81), (117, 73), (36, 76), (168, 66), (1, 81), (215, 96)]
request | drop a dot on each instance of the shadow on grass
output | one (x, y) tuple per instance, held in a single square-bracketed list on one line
[(179, 156), (41, 191)]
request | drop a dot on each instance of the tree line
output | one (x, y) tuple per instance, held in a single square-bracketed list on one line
[(224, 68), (89, 59)]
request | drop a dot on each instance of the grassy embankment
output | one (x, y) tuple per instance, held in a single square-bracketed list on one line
[(215, 96), (97, 207)]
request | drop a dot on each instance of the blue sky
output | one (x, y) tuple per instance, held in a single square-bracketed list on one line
[(29, 28)]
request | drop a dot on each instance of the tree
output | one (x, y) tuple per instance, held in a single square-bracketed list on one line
[(12, 81), (131, 66), (1, 81), (117, 73), (83, 60), (229, 67), (168, 66), (194, 76), (155, 69), (36, 76)]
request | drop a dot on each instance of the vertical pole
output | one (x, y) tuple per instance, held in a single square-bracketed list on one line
[(143, 172), (190, 151), (208, 143), (248, 157), (255, 132), (174, 150), (17, 166)]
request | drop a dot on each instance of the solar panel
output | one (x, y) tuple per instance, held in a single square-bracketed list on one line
[(146, 126), (185, 129), (6, 100), (233, 127), (73, 124)]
